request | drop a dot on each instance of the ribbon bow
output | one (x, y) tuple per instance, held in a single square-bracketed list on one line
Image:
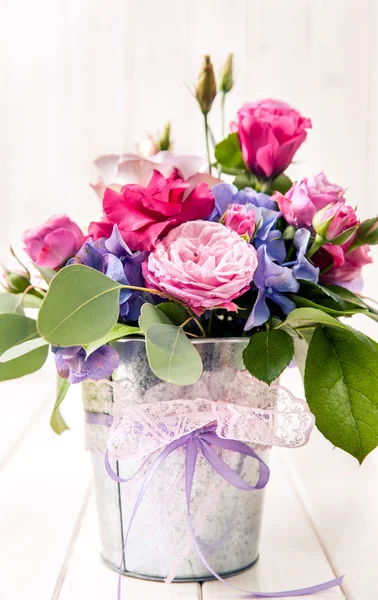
[(203, 440)]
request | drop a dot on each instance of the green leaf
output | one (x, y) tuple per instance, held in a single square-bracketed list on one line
[(47, 274), (25, 364), (282, 183), (31, 301), (171, 355), (348, 296), (11, 303), (341, 384), (310, 317), (56, 421), (151, 315), (175, 312), (16, 329), (81, 306), (350, 310), (268, 354), (22, 349), (244, 179), (228, 153), (321, 295), (119, 331)]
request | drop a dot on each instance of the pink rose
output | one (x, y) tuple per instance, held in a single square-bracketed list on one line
[(241, 219), (146, 214), (306, 198), (346, 266), (203, 264), (270, 133), (336, 222), (54, 242), (115, 170)]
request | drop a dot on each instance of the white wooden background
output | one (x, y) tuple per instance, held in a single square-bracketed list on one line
[(83, 77)]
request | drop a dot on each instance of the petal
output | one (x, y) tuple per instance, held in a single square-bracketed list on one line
[(260, 312), (285, 304), (58, 246)]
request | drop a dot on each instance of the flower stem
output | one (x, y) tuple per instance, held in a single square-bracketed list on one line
[(316, 244), (207, 141), (223, 117)]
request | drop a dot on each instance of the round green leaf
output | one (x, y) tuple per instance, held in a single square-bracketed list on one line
[(15, 329), (81, 306), (25, 364)]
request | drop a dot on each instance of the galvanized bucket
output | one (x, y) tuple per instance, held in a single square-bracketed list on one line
[(226, 520)]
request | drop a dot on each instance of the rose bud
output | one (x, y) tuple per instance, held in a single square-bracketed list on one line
[(241, 219), (15, 282), (226, 80), (335, 223), (164, 142), (206, 88)]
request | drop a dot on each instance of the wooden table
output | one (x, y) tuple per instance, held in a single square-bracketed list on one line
[(321, 513)]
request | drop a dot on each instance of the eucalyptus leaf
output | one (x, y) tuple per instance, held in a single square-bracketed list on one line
[(228, 153), (310, 317), (81, 306), (268, 353), (47, 274), (56, 421), (21, 349), (151, 315), (119, 331), (11, 303), (25, 364), (175, 312), (172, 357), (31, 301), (341, 384), (16, 329)]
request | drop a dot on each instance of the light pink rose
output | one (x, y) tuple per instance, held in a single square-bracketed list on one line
[(343, 220), (270, 132), (305, 199), (203, 264), (54, 242), (116, 171), (241, 219)]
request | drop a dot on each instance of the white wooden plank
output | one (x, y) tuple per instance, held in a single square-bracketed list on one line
[(43, 486), (341, 500), (88, 577), (291, 555)]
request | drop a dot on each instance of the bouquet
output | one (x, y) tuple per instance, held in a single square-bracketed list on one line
[(188, 247)]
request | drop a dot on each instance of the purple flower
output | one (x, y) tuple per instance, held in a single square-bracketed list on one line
[(113, 258), (266, 216), (272, 281), (72, 364), (303, 269)]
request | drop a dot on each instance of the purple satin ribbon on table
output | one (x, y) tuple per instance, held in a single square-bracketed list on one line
[(204, 439)]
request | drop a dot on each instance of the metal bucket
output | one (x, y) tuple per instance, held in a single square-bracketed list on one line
[(226, 520)]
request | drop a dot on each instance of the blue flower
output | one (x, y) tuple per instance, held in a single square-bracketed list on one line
[(302, 268), (272, 281), (72, 364), (113, 258)]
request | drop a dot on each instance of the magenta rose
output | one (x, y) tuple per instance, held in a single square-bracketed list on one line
[(146, 214), (270, 132), (346, 266), (336, 222), (203, 264), (305, 199), (54, 242), (241, 219)]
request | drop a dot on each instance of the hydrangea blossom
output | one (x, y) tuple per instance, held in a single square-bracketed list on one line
[(72, 363)]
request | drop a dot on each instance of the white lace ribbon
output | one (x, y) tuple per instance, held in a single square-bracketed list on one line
[(244, 409)]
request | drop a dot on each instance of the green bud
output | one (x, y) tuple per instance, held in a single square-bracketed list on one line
[(16, 282), (206, 88), (164, 142), (226, 80)]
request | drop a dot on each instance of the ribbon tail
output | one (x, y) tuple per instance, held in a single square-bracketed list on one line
[(191, 457)]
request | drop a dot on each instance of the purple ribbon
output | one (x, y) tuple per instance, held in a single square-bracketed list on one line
[(204, 439)]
